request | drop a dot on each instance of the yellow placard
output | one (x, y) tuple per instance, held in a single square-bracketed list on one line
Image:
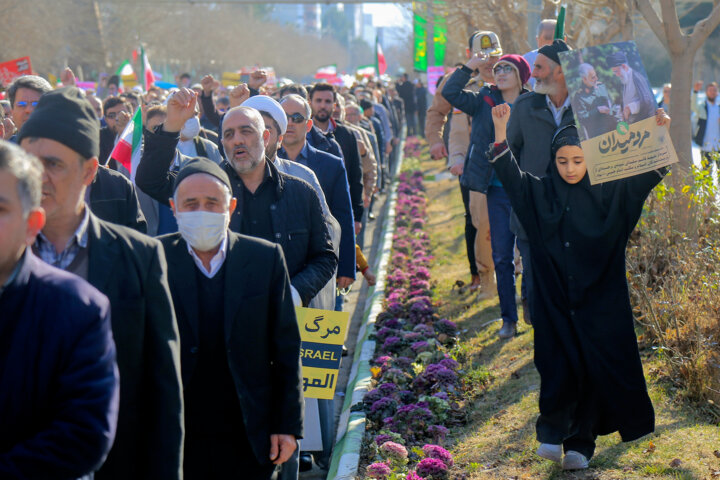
[(230, 79), (322, 333)]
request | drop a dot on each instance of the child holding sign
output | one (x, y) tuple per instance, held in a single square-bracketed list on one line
[(586, 351)]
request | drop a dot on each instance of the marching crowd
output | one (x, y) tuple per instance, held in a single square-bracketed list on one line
[(147, 324), (128, 356)]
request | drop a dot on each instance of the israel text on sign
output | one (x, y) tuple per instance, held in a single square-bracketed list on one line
[(322, 333)]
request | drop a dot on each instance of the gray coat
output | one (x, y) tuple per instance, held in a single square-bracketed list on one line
[(529, 135)]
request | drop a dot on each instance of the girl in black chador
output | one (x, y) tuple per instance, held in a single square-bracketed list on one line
[(586, 351)]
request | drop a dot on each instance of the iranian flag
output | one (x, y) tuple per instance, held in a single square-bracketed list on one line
[(329, 71), (129, 143), (365, 71), (380, 58), (147, 77), (125, 70)]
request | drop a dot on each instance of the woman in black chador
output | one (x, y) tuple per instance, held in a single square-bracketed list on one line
[(586, 351)]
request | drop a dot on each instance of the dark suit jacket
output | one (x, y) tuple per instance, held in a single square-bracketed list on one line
[(107, 143), (330, 172), (130, 269), (297, 218), (58, 378), (261, 333), (113, 198), (350, 156)]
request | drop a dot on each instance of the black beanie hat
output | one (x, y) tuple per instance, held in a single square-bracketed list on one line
[(551, 51), (66, 116), (201, 165)]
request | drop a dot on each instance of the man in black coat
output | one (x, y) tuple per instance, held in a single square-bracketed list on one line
[(240, 340), (406, 90), (323, 98), (534, 119), (113, 198), (126, 266), (271, 205), (58, 378)]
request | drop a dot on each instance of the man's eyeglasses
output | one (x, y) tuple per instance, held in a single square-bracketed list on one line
[(296, 118), (502, 68), (24, 104), (111, 115)]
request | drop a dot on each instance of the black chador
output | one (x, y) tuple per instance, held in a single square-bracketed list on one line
[(586, 350)]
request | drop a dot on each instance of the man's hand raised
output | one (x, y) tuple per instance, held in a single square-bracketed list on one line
[(238, 95), (180, 107), (209, 85), (257, 79), (67, 77)]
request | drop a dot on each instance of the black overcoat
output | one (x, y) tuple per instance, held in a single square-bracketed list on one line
[(585, 344), (261, 333)]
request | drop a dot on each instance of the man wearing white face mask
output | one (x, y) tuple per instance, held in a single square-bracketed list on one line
[(240, 345)]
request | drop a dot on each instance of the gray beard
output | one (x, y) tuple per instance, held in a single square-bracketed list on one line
[(241, 169), (544, 88)]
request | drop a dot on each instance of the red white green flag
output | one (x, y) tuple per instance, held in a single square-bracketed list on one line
[(328, 71), (129, 142), (147, 77), (381, 64)]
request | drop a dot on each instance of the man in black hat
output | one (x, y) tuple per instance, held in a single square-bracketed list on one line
[(240, 340), (126, 266), (534, 119), (637, 100)]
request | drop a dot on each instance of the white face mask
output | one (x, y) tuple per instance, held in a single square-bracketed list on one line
[(203, 230), (191, 128)]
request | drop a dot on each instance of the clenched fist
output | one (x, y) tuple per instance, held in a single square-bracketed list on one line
[(180, 107), (257, 79), (239, 94), (209, 85)]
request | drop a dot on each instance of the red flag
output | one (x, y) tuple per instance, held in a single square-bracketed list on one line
[(381, 64)]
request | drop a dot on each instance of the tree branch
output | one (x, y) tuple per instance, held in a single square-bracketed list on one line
[(652, 19), (675, 37), (705, 27)]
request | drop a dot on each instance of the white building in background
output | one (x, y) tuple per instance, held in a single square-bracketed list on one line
[(304, 17)]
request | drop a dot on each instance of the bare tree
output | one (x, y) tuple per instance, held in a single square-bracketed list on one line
[(682, 47)]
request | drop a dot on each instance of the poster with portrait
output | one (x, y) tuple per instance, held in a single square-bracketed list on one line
[(614, 110)]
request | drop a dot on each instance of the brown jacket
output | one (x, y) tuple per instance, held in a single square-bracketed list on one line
[(459, 123)]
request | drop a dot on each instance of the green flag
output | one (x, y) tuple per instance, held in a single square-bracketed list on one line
[(560, 27), (420, 35), (439, 40)]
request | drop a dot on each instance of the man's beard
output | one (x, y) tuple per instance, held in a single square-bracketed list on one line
[(245, 166), (322, 116), (626, 76), (271, 150), (544, 88)]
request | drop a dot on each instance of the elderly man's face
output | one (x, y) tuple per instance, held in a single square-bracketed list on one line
[(65, 175), (544, 75), (25, 102), (590, 79), (244, 140), (202, 193), (619, 70), (16, 229), (352, 115)]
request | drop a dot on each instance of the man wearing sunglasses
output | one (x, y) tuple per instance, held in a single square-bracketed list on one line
[(24, 94), (117, 115)]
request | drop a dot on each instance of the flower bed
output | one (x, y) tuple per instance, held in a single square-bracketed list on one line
[(418, 389)]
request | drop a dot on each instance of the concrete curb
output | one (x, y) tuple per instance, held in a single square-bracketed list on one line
[(351, 425)]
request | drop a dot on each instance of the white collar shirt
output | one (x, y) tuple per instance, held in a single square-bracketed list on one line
[(215, 263)]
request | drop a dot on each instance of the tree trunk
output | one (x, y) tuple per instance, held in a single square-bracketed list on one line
[(681, 129)]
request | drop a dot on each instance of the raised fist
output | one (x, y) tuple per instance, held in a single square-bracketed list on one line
[(180, 107), (257, 79), (209, 84), (239, 94), (67, 77)]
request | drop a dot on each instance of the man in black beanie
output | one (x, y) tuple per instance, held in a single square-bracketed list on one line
[(534, 119), (243, 405), (126, 266)]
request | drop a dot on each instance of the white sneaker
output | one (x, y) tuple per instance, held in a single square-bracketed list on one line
[(550, 452), (574, 461)]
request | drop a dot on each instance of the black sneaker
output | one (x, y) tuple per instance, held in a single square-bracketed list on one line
[(508, 330)]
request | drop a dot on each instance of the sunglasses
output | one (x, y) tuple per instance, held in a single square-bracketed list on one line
[(296, 118), (503, 68), (24, 104)]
